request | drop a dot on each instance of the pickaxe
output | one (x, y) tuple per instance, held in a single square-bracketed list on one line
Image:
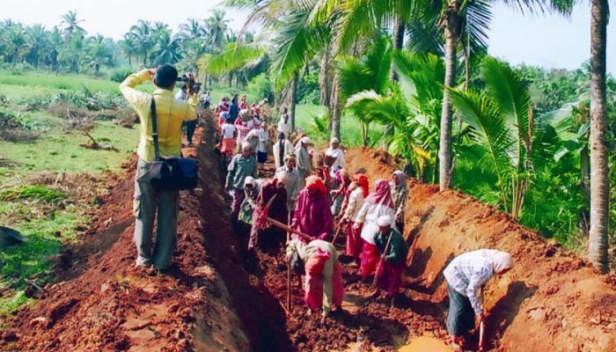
[(383, 256), (263, 218), (341, 226)]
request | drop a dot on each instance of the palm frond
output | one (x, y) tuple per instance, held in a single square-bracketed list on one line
[(234, 57), (477, 23), (297, 43), (513, 100), (489, 129)]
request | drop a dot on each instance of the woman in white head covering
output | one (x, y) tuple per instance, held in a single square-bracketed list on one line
[(393, 251), (304, 162), (251, 190), (466, 275), (399, 193)]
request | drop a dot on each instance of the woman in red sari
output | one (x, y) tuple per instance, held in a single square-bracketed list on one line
[(356, 200), (377, 204), (271, 235)]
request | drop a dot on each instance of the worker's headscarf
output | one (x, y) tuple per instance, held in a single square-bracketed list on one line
[(249, 180), (501, 261), (362, 180), (342, 177), (315, 183), (282, 177), (401, 180), (382, 194)]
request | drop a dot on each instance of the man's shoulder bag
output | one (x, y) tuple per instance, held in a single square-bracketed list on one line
[(171, 174)]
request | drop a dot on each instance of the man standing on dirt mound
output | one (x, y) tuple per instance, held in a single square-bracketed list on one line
[(466, 275), (170, 114)]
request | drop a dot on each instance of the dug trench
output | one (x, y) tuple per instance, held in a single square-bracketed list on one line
[(551, 301)]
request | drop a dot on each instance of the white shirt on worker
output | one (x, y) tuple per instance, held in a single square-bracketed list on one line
[(288, 149), (263, 139), (180, 95), (354, 205), (368, 215), (468, 272), (339, 161), (293, 186), (285, 127), (228, 130)]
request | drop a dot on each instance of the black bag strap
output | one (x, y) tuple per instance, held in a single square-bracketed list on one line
[(154, 129)]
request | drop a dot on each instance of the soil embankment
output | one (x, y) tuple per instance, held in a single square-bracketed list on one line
[(106, 304), (551, 301)]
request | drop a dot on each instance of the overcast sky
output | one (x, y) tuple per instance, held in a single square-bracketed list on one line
[(544, 40)]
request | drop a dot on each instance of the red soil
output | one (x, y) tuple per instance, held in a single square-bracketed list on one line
[(111, 305), (551, 301)]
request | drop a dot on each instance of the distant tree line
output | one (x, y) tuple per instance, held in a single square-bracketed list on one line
[(69, 48)]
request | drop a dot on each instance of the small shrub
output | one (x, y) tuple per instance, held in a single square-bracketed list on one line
[(261, 87), (17, 127), (4, 100), (120, 74), (34, 192), (308, 89), (320, 126)]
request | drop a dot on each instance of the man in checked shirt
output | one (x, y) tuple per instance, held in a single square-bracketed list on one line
[(466, 275)]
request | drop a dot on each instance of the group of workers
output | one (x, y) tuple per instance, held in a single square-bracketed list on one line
[(309, 200), (318, 201)]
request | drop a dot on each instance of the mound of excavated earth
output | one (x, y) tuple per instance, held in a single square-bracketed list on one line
[(551, 301), (215, 300)]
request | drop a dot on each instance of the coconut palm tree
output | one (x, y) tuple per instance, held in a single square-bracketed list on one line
[(369, 73), (53, 55), (129, 47), (142, 32), (192, 29), (454, 17), (502, 123), (71, 24), (97, 54), (37, 38), (296, 41), (599, 181), (16, 43), (167, 49), (217, 27), (413, 119)]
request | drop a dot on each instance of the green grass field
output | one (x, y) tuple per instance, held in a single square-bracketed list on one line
[(57, 82), (47, 227)]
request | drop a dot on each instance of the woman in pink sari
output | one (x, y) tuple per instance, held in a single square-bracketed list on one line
[(377, 204), (313, 215)]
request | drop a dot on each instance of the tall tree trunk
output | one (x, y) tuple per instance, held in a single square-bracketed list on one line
[(130, 60), (398, 44), (583, 213), (452, 34), (467, 68), (599, 175), (324, 78), (292, 96), (336, 109)]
